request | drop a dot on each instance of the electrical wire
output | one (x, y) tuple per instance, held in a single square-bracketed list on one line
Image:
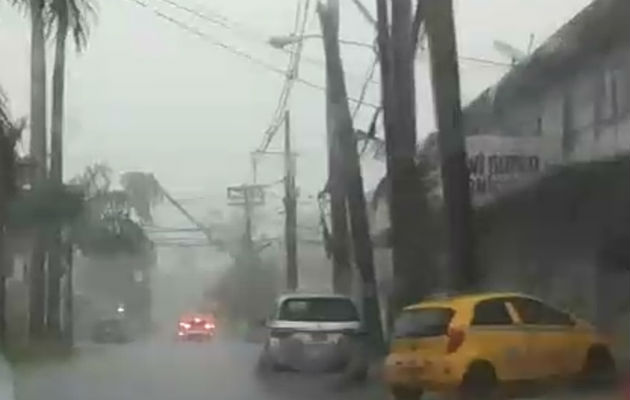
[(370, 75), (292, 74), (233, 50), (220, 20), (245, 32)]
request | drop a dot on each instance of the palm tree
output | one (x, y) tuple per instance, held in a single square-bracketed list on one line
[(144, 192), (38, 153), (68, 16), (37, 149), (10, 132)]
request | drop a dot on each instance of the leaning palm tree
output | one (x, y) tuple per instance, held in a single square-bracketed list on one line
[(68, 17)]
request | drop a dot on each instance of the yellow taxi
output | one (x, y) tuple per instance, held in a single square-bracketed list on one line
[(477, 344)]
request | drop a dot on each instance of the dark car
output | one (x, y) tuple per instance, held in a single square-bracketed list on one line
[(111, 330)]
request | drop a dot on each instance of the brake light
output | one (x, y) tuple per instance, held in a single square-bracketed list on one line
[(208, 326), (184, 325), (456, 338)]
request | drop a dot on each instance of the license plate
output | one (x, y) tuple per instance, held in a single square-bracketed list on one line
[(319, 337), (315, 352)]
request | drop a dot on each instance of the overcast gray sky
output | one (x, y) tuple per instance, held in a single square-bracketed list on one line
[(146, 95)]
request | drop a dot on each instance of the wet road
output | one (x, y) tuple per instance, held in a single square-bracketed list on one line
[(164, 370)]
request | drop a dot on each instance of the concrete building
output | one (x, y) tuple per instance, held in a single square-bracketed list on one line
[(568, 102)]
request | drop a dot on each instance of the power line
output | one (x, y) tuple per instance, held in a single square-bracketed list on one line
[(221, 21), (226, 23), (363, 92), (292, 74), (235, 51)]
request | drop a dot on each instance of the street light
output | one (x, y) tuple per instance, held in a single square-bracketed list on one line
[(280, 42)]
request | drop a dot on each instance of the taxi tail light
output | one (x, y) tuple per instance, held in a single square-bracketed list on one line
[(456, 337)]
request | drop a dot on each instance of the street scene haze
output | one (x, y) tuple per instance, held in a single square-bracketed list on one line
[(314, 199)]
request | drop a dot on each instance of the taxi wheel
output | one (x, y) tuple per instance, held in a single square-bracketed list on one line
[(479, 382), (599, 368), (401, 393)]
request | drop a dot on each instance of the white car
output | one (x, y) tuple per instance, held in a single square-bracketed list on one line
[(315, 333)]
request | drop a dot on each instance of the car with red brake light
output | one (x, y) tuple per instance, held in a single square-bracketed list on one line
[(196, 327)]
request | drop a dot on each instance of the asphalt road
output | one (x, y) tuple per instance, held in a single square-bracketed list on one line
[(163, 370)]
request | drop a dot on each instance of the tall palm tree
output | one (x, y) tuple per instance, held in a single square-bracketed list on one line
[(68, 17), (38, 150)]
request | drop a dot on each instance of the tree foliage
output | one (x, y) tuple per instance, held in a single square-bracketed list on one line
[(10, 132), (106, 226), (143, 192), (75, 15)]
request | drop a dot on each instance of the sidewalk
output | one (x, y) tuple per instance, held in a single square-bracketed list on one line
[(6, 379)]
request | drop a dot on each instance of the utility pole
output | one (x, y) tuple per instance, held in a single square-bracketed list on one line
[(204, 229), (247, 196), (351, 169), (342, 270), (406, 197), (440, 29), (290, 204)]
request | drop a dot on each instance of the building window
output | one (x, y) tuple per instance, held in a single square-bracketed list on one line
[(622, 92), (568, 129), (599, 100)]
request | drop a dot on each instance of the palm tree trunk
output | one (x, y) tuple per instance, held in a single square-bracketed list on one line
[(38, 153), (56, 136), (56, 174)]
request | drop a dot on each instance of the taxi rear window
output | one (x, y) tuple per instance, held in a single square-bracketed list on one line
[(425, 322)]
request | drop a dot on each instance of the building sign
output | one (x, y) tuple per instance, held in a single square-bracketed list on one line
[(494, 173), (499, 165)]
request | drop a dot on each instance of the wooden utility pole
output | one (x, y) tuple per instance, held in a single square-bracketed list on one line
[(247, 196), (440, 29), (405, 196), (290, 204), (342, 270), (204, 229), (350, 165)]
